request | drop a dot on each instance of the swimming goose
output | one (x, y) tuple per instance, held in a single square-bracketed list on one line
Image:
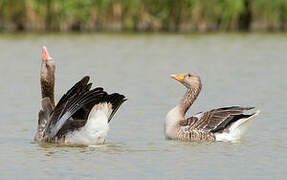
[(222, 124), (81, 116)]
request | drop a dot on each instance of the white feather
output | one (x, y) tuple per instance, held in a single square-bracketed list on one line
[(237, 130), (96, 128), (199, 115)]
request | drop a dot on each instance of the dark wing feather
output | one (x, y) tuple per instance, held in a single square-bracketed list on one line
[(221, 117), (218, 119), (116, 100), (80, 117), (71, 125), (73, 104), (79, 88)]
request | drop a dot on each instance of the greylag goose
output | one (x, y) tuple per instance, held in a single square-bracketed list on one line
[(81, 116), (222, 124)]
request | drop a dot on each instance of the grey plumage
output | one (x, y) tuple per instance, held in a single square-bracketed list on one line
[(203, 126), (211, 122)]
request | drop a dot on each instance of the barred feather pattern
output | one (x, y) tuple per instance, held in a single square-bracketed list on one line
[(191, 130), (186, 134), (55, 140), (41, 127)]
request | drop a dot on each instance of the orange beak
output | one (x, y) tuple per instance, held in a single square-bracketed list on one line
[(178, 77), (45, 54)]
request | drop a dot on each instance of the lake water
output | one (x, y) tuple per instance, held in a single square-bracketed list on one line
[(236, 69)]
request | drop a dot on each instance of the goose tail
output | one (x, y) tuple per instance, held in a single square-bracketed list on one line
[(109, 105), (237, 129), (97, 126)]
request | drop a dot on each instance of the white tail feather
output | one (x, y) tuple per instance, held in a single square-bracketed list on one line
[(96, 128), (237, 130)]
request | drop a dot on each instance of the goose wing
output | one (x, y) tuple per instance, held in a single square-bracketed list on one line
[(74, 107), (216, 119), (75, 99), (80, 117), (79, 88), (73, 104)]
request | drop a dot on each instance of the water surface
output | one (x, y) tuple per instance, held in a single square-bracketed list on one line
[(236, 69)]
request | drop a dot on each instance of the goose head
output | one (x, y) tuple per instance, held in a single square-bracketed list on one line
[(48, 66), (189, 80)]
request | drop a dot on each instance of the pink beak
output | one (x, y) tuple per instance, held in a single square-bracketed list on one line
[(45, 54)]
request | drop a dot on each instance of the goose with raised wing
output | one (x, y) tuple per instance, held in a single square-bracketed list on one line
[(222, 124), (81, 116)]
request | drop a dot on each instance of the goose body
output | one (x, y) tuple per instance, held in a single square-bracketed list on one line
[(222, 124), (81, 116)]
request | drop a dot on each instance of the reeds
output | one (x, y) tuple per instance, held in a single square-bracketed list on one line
[(142, 15)]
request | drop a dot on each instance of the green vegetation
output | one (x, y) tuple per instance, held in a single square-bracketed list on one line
[(142, 15)]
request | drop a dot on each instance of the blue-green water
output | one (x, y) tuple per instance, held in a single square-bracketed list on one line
[(236, 69)]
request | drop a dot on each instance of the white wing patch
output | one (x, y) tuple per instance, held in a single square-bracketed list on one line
[(96, 128)]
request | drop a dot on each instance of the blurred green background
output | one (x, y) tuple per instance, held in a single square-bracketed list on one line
[(143, 15)]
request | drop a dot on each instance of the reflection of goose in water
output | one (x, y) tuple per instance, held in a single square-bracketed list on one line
[(223, 124), (81, 116)]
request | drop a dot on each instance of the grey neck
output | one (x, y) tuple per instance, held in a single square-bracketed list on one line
[(48, 87), (188, 99)]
